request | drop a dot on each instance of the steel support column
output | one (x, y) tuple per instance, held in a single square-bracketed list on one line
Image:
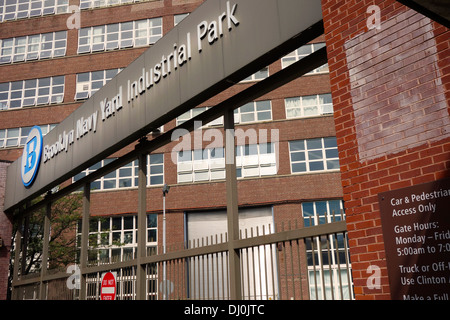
[(84, 239), (45, 247), (17, 249), (232, 207), (141, 289)]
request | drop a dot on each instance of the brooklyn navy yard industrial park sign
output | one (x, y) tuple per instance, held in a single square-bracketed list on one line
[(216, 46)]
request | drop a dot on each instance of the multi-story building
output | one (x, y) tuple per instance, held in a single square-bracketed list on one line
[(374, 119), (288, 172)]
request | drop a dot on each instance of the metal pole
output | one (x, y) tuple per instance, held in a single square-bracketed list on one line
[(232, 207), (165, 286), (141, 281), (17, 249), (45, 247), (84, 238)]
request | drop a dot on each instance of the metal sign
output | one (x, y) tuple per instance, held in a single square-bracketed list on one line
[(216, 46), (108, 287), (416, 230)]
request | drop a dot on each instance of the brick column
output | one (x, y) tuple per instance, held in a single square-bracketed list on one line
[(5, 234), (390, 84)]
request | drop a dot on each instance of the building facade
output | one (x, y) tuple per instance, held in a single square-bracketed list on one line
[(310, 148)]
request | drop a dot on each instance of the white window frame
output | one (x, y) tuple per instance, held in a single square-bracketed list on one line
[(124, 35), (323, 273), (258, 76), (94, 81), (93, 4), (177, 18), (255, 160), (302, 52), (110, 238), (31, 92), (126, 176), (308, 106), (19, 135), (304, 155), (253, 112), (21, 9), (33, 47)]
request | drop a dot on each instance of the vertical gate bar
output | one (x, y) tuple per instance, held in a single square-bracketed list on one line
[(258, 250), (330, 266), (272, 256), (313, 256), (299, 269), (45, 245), (142, 223), (232, 206), (25, 235), (84, 239), (17, 249), (347, 266), (336, 244)]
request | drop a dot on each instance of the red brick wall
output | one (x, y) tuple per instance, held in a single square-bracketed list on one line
[(391, 99), (5, 235)]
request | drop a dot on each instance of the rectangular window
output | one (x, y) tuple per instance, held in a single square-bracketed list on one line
[(201, 165), (89, 82), (33, 47), (250, 112), (90, 4), (308, 106), (329, 268), (114, 239), (253, 112), (126, 176), (302, 52), (319, 154), (179, 17), (33, 92), (260, 75), (209, 164), (16, 137), (119, 35), (20, 9)]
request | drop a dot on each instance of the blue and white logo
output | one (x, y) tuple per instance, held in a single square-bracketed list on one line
[(31, 157)]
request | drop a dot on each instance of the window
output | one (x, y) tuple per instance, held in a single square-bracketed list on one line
[(302, 52), (87, 4), (308, 106), (250, 112), (253, 112), (320, 154), (114, 239), (321, 212), (119, 35), (89, 82), (255, 160), (33, 92), (16, 137), (33, 47), (329, 269), (261, 74), (201, 165), (126, 176), (179, 17), (195, 112), (19, 9)]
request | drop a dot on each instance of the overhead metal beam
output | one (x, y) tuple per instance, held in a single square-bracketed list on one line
[(294, 71), (437, 10)]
